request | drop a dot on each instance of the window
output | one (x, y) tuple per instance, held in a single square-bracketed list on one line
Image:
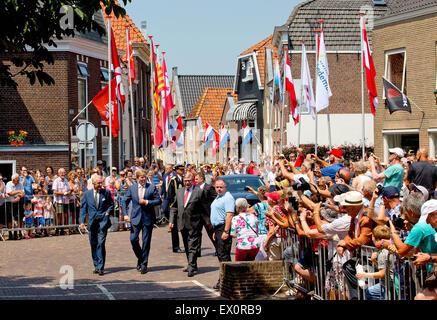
[(407, 139), (82, 89), (395, 69), (247, 65)]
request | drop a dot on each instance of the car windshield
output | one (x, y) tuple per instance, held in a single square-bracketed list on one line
[(237, 184)]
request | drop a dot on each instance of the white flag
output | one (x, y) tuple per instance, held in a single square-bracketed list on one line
[(308, 93), (323, 91)]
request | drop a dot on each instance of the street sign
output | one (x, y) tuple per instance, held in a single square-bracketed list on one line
[(86, 131), (89, 144)]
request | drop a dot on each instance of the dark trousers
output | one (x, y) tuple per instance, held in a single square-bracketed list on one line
[(142, 253), (97, 235), (223, 247), (174, 230), (209, 232), (350, 274), (191, 240)]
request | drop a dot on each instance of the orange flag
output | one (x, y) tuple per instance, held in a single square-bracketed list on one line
[(130, 57), (100, 101)]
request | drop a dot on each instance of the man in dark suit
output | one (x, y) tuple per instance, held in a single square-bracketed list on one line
[(176, 182), (208, 196), (144, 197), (186, 210), (98, 204), (164, 190)]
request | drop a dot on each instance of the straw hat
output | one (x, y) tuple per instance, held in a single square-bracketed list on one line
[(352, 198)]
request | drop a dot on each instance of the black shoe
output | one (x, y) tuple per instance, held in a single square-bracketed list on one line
[(101, 272), (192, 273), (96, 271), (138, 267), (179, 250), (186, 270), (217, 286), (144, 270)]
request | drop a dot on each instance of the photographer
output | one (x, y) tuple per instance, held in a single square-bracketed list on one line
[(390, 206), (393, 175)]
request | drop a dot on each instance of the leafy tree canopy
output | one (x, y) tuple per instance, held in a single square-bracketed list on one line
[(28, 25)]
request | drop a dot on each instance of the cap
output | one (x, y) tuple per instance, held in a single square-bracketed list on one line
[(179, 167), (336, 152), (422, 189), (114, 169), (398, 151), (352, 198), (337, 189), (99, 162), (390, 192), (274, 196), (427, 208)]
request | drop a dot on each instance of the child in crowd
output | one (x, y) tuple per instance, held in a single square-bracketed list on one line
[(48, 215), (380, 260), (28, 218), (38, 210)]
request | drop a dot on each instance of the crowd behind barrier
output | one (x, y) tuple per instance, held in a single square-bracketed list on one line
[(344, 230)]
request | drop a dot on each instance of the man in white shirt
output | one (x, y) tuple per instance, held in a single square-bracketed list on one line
[(14, 195), (61, 191)]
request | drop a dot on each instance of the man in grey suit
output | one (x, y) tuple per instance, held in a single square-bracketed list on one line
[(144, 197), (98, 204), (187, 212)]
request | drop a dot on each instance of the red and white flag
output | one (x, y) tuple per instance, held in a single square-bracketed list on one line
[(101, 102), (130, 56), (167, 101), (289, 86), (116, 69), (369, 67), (215, 143)]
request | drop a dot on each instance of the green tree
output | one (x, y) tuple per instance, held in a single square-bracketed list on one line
[(27, 25)]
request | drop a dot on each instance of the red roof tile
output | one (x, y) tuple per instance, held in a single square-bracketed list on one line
[(209, 106), (119, 26)]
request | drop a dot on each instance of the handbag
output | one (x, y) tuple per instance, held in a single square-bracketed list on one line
[(431, 278), (329, 263)]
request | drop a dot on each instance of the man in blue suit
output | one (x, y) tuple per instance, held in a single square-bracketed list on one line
[(98, 204), (144, 197), (164, 189)]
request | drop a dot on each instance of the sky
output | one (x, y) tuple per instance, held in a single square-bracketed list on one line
[(205, 36)]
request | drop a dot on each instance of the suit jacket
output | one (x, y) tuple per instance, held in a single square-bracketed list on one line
[(175, 184), (209, 194), (364, 233), (142, 213), (164, 185), (88, 205), (190, 216)]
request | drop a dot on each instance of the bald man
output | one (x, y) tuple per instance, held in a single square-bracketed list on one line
[(423, 173)]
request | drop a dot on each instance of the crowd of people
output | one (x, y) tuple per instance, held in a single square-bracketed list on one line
[(340, 203)]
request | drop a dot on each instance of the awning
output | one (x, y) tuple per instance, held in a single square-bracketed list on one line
[(242, 111)]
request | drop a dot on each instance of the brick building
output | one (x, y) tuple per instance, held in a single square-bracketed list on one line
[(404, 51), (80, 71), (342, 40)]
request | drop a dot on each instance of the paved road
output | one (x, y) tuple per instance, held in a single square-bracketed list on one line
[(31, 269)]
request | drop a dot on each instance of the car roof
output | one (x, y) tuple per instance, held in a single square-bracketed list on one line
[(230, 176)]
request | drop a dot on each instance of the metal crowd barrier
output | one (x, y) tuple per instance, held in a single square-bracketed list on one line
[(403, 280), (13, 220)]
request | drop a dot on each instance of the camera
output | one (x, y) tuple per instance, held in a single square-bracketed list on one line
[(247, 188), (294, 203), (399, 223), (379, 190)]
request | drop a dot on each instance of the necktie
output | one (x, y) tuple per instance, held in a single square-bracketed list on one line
[(141, 194), (96, 199), (187, 192)]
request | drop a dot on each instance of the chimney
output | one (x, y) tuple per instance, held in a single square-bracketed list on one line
[(144, 28)]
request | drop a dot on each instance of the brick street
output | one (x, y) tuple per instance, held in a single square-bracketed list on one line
[(30, 269)]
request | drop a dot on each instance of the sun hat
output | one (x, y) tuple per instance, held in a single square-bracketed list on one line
[(427, 208), (352, 198)]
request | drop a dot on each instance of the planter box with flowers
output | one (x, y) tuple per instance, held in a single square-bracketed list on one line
[(17, 140)]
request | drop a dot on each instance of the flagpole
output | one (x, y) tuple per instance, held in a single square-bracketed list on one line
[(131, 88), (327, 108), (362, 85), (110, 100), (271, 114), (283, 106), (315, 87), (301, 95)]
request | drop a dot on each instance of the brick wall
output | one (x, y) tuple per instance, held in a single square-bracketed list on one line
[(419, 39), (38, 160), (245, 280)]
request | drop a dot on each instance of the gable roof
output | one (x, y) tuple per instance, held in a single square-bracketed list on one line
[(406, 6), (192, 86), (119, 26), (94, 35), (341, 22), (260, 49), (209, 106)]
